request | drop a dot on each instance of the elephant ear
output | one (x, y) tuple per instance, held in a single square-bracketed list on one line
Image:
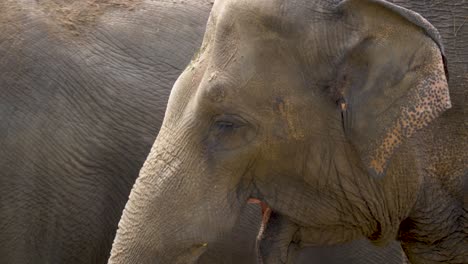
[(391, 82)]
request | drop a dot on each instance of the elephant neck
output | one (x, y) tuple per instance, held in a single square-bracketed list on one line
[(431, 175), (436, 230)]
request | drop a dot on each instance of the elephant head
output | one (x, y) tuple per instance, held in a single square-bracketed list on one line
[(306, 106)]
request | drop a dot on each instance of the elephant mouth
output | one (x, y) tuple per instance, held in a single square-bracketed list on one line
[(277, 237), (266, 214)]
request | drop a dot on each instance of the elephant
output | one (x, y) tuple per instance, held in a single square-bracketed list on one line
[(341, 118), (83, 91)]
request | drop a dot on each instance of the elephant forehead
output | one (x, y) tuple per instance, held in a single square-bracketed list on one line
[(261, 17), (274, 30), (255, 8), (279, 11), (257, 48), (258, 75)]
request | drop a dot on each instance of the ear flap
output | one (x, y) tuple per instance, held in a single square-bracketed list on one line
[(392, 83)]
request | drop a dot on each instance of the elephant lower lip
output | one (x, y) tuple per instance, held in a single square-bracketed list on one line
[(266, 213)]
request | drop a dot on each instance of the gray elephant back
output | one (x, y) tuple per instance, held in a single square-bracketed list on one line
[(83, 90)]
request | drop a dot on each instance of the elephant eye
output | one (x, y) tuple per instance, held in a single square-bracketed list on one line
[(227, 123), (224, 125), (229, 132)]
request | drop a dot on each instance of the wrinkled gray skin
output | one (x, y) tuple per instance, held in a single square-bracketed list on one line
[(337, 114), (83, 90)]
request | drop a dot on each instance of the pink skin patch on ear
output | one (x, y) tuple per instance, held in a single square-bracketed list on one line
[(429, 99)]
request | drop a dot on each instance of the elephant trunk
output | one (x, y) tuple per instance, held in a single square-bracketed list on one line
[(175, 210)]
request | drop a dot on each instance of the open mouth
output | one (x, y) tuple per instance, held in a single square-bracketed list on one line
[(266, 213), (278, 239)]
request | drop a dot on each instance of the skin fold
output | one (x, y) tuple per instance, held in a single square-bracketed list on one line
[(83, 91), (346, 118)]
